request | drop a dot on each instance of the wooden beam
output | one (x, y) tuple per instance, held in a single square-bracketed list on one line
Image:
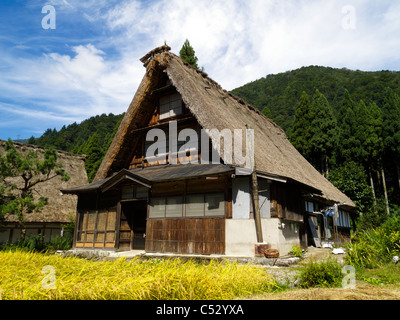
[(256, 203)]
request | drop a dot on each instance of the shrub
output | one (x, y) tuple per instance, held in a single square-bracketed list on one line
[(324, 274), (373, 247), (36, 243), (297, 251), (31, 243)]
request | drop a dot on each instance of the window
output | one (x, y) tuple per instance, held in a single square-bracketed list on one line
[(157, 208), (170, 106), (130, 192), (309, 206), (344, 219), (195, 205), (174, 207), (215, 204), (97, 226)]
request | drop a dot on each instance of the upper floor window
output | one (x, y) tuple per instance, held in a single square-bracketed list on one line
[(170, 105)]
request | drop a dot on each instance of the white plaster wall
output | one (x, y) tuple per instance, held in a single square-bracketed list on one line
[(240, 198), (240, 236), (281, 235)]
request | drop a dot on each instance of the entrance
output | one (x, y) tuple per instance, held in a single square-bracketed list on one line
[(132, 228)]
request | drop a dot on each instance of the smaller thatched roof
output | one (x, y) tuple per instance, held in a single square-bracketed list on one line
[(213, 108), (60, 207)]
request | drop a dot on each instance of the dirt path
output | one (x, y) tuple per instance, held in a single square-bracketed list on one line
[(362, 291)]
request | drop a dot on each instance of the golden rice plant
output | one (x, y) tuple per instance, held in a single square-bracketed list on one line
[(21, 277)]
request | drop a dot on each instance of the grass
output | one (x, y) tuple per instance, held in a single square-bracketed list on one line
[(322, 274), (21, 277)]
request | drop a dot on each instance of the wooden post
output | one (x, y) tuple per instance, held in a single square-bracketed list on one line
[(250, 150), (256, 202)]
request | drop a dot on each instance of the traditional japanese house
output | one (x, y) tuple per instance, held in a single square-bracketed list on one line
[(171, 199)]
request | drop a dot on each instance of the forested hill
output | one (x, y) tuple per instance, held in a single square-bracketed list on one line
[(280, 93), (91, 137)]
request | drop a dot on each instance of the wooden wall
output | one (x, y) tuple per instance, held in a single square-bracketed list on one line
[(186, 236), (287, 202)]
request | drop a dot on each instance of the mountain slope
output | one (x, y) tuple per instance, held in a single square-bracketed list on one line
[(280, 93)]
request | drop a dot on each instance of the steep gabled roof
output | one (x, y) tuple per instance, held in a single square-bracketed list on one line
[(214, 108)]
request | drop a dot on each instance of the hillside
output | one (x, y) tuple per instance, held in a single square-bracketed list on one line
[(92, 137), (280, 93)]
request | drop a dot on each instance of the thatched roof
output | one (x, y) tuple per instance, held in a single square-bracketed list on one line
[(214, 108), (60, 207)]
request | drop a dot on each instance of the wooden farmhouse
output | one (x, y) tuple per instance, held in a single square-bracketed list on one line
[(60, 208), (177, 199)]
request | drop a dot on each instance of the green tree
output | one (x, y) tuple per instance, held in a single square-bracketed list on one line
[(266, 112), (391, 129), (351, 179), (324, 132), (348, 145), (92, 148), (188, 55), (20, 174), (302, 131)]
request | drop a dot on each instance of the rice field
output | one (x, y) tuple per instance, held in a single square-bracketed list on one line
[(36, 276)]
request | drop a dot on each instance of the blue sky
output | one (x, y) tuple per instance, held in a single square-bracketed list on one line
[(89, 64)]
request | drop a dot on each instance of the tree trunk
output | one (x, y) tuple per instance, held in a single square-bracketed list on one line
[(398, 174), (326, 167), (372, 186), (385, 191)]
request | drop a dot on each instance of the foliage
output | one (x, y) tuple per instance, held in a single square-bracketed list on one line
[(324, 131), (20, 173), (281, 92), (37, 243), (21, 277), (29, 244), (188, 55), (92, 137), (351, 179), (297, 251), (373, 247), (301, 131), (324, 274)]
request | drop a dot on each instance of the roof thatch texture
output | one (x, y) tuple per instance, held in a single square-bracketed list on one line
[(60, 207), (214, 108)]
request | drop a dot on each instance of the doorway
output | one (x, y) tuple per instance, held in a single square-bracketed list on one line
[(132, 228)]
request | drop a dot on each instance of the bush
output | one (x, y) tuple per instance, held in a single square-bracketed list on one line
[(326, 274), (36, 243), (297, 251), (373, 247), (30, 244)]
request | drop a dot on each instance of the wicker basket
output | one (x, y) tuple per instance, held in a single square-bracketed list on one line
[(271, 253)]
